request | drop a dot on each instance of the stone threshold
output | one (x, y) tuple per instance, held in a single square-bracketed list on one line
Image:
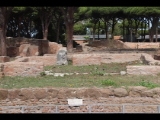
[(76, 73)]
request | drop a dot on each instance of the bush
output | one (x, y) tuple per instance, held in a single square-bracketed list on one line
[(100, 73), (43, 73), (108, 82), (147, 84)]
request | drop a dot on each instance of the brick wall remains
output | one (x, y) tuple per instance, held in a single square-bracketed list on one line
[(22, 68), (30, 47), (54, 100), (97, 59)]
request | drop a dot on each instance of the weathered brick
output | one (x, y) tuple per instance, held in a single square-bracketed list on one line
[(3, 94)]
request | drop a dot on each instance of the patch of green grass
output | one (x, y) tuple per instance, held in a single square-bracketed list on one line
[(147, 84), (108, 82), (95, 78), (100, 73), (78, 81), (106, 68)]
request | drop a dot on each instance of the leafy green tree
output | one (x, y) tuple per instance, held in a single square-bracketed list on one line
[(79, 28), (72, 15), (46, 15)]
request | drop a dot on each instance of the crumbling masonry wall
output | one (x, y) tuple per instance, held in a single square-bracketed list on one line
[(21, 46), (54, 100)]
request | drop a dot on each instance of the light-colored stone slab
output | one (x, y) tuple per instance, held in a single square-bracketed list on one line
[(75, 102)]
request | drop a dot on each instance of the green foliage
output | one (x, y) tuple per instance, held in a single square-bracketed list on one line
[(18, 9), (117, 29), (147, 84), (98, 72), (108, 82), (87, 37), (79, 28), (42, 73), (90, 14)]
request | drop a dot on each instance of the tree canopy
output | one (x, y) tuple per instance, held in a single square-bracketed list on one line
[(60, 23)]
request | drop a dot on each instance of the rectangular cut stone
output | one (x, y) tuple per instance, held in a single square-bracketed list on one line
[(75, 102), (145, 70)]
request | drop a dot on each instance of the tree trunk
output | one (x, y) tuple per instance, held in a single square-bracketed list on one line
[(114, 22), (145, 30), (131, 35), (69, 31), (3, 32), (94, 30), (45, 34), (107, 33), (123, 31), (44, 28), (153, 28), (151, 35), (57, 37), (98, 28), (45, 19), (19, 26), (105, 26), (3, 43), (156, 34), (68, 13)]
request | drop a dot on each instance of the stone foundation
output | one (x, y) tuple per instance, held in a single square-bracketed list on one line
[(47, 59), (22, 68), (97, 59), (27, 66)]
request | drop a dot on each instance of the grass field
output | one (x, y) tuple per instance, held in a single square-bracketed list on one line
[(95, 78)]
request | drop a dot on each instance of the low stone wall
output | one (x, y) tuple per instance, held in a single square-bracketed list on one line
[(145, 70), (22, 68), (54, 100), (54, 47), (47, 59), (97, 59), (118, 44), (142, 45), (98, 108), (30, 47), (151, 67), (149, 59), (28, 66)]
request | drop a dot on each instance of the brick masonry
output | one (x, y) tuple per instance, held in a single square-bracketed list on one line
[(30, 47), (95, 100), (98, 58)]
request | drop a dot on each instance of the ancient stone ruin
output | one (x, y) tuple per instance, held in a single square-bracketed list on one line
[(34, 54)]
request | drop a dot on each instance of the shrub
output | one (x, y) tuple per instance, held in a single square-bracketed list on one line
[(108, 82), (100, 73), (43, 73), (147, 84)]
